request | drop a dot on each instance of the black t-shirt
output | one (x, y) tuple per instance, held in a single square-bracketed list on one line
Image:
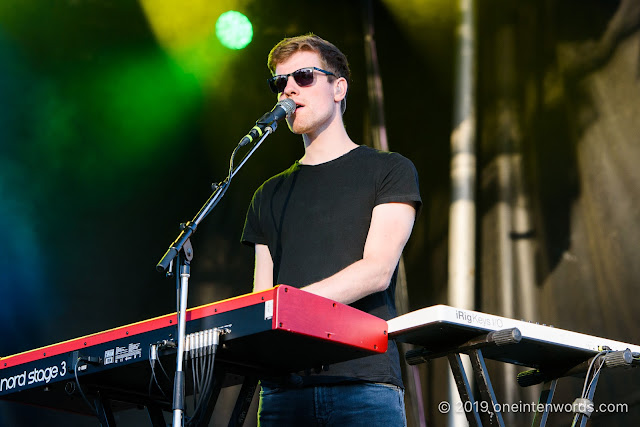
[(315, 220)]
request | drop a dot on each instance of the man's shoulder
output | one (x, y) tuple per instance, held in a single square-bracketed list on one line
[(277, 179), (383, 157)]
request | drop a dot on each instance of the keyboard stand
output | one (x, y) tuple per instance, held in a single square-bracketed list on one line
[(486, 411), (103, 399), (156, 408), (445, 331), (592, 368), (482, 412), (546, 397)]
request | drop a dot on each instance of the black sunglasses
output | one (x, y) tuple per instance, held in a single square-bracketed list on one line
[(303, 77)]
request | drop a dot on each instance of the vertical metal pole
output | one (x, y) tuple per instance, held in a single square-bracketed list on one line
[(374, 82), (178, 382), (462, 214), (515, 261)]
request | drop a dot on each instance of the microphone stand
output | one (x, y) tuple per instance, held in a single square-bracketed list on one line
[(182, 251)]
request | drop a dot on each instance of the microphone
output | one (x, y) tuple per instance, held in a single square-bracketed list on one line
[(283, 109)]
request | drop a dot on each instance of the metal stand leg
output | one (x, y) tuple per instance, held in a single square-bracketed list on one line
[(104, 412), (219, 378), (155, 416), (492, 415), (464, 389), (248, 389), (474, 412), (546, 397)]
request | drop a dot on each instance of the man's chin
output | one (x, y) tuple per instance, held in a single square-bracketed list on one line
[(296, 127), (298, 130)]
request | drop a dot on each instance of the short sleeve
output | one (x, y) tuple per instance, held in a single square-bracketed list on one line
[(253, 233), (398, 182)]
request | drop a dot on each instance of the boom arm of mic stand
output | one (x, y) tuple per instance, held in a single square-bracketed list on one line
[(267, 131), (218, 192)]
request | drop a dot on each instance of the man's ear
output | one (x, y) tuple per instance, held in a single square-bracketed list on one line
[(340, 89)]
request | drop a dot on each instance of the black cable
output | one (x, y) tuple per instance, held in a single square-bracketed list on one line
[(163, 370), (154, 375), (203, 366), (200, 387), (75, 373), (152, 364), (202, 383), (193, 376), (195, 366), (199, 413), (189, 365), (197, 378), (154, 378), (233, 155)]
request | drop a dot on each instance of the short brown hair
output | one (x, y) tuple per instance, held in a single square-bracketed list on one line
[(332, 58)]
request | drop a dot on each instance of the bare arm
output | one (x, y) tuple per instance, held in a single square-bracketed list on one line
[(391, 225), (263, 273)]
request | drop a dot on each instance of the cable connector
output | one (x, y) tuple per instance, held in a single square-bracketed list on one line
[(153, 354), (155, 348), (92, 360), (167, 344), (583, 406), (80, 362), (202, 343)]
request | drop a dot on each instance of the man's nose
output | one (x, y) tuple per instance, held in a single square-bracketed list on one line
[(291, 87)]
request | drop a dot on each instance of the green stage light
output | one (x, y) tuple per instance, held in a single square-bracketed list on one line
[(234, 30)]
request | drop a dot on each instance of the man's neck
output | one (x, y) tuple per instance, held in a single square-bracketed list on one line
[(332, 143)]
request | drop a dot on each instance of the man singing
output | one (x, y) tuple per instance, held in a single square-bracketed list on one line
[(333, 224)]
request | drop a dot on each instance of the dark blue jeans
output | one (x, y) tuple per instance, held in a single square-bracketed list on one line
[(344, 405)]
